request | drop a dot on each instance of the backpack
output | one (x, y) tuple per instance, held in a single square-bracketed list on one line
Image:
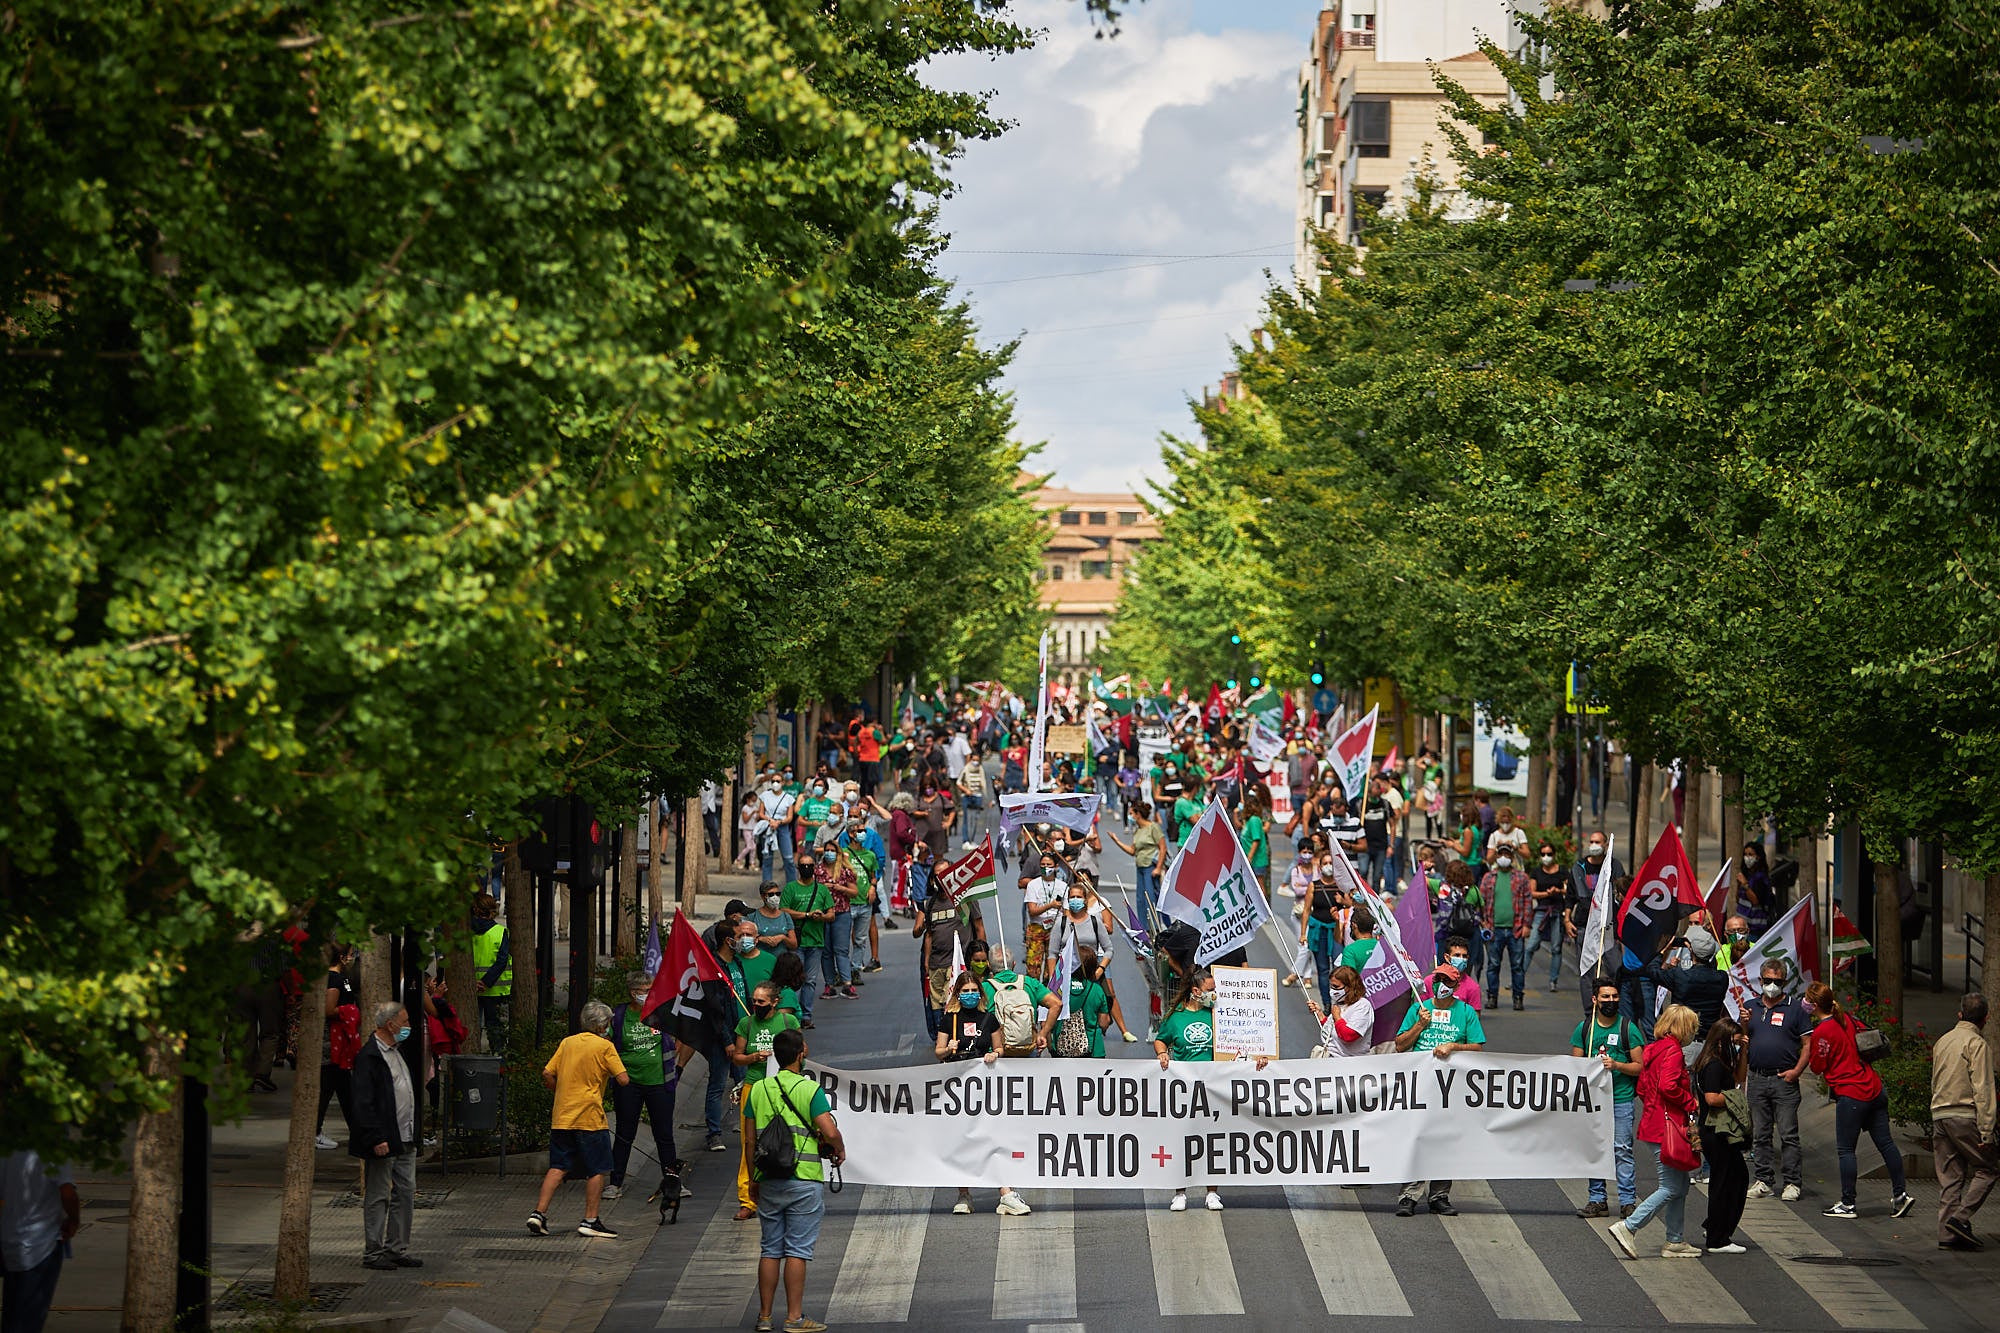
[(1464, 919), (1016, 1013), (777, 1155), (1072, 1035)]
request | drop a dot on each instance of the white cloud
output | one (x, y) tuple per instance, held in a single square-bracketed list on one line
[(1173, 139)]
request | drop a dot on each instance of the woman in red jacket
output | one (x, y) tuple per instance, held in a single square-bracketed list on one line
[(1858, 1099), (1664, 1091)]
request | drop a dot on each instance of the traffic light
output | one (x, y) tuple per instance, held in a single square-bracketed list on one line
[(1255, 682), (1235, 639), (1230, 684), (1319, 678)]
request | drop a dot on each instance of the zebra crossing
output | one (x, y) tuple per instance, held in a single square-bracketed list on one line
[(1516, 1257)]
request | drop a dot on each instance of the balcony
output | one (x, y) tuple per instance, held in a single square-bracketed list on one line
[(1357, 39)]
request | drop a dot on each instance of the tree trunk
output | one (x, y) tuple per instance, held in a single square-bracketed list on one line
[(375, 984), (520, 891), (1989, 969), (293, 1280), (1732, 816), (1691, 820), (152, 1247), (659, 868), (1888, 937), (687, 846), (1536, 813), (1552, 779), (1642, 815)]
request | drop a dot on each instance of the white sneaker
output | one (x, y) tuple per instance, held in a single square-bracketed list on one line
[(1759, 1191), (1179, 1205), (323, 1143), (1731, 1248), (1214, 1202), (613, 1191), (1013, 1205), (963, 1208), (1791, 1194), (1626, 1241)]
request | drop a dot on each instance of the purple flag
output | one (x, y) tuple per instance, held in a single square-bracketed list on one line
[(1383, 980), (651, 960)]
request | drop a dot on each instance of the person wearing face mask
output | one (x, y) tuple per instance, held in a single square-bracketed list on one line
[(1548, 886), (648, 1055), (969, 1030), (1346, 1027), (1168, 788), (1187, 1034), (774, 838), (1042, 896), (1443, 1024), (808, 901), (1718, 1072), (384, 1136), (1778, 1024), (751, 1051), (1089, 922), (1736, 938), (815, 805), (579, 1140), (747, 961), (1583, 878), (775, 932), (1319, 926), (1507, 914), (1613, 1039)]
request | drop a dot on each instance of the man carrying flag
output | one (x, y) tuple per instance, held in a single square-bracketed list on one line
[(700, 1014)]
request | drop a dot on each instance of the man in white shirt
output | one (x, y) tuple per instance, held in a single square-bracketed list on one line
[(956, 751), (39, 1214)]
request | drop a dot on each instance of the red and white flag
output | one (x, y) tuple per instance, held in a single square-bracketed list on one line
[(1663, 891), (1794, 941), (690, 981), (1212, 887), (1351, 752)]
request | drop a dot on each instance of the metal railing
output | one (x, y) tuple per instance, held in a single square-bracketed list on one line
[(1975, 948), (1356, 39)]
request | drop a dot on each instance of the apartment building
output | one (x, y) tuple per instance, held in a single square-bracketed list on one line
[(1369, 106)]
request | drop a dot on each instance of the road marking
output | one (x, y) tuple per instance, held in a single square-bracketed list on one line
[(1034, 1275), (712, 1288), (1849, 1295), (1516, 1283), (1683, 1290), (1191, 1263), (878, 1271), (1347, 1260)]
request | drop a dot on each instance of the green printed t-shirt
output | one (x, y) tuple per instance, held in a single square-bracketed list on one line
[(1614, 1039), (1037, 992), (1087, 1001), (814, 810), (643, 1050), (758, 1034), (1189, 1034), (1357, 954), (1459, 1023), (1253, 834), (808, 898)]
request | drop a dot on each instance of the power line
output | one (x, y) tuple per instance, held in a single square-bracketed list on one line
[(1122, 268), (1117, 254), (1131, 323)]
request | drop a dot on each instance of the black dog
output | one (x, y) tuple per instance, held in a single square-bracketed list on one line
[(668, 1195)]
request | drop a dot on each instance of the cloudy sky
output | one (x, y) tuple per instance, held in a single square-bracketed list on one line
[(1073, 230)]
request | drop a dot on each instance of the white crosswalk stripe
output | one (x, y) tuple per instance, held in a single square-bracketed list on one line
[(1516, 1283), (1206, 1288), (1347, 1261), (877, 1278), (712, 1285), (1851, 1297), (1683, 1292), (1035, 1276)]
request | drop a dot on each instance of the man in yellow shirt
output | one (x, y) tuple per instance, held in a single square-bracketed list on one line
[(579, 1138)]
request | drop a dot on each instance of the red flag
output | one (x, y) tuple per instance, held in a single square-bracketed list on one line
[(1214, 709), (1291, 709), (685, 968), (1663, 891)]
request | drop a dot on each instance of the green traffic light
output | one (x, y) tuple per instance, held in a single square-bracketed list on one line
[(1255, 682), (1318, 679), (1232, 684), (1236, 638)]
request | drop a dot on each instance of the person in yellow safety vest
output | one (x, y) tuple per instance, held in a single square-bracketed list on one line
[(495, 969), (789, 1210)]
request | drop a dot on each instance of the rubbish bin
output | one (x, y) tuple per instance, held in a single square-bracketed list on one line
[(477, 1103)]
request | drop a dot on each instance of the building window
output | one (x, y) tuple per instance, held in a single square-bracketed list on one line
[(1070, 518), (1329, 133), (1097, 518), (1368, 127), (1055, 573), (1097, 569), (1127, 519)]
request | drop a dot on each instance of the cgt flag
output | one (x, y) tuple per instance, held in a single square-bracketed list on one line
[(1212, 887), (691, 982), (1663, 891), (1352, 750), (1794, 941), (970, 876)]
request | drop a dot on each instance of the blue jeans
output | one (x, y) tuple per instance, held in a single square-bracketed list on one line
[(1635, 995), (1375, 868), (722, 1076), (1547, 930), (1517, 963), (25, 1297), (1850, 1117), (1323, 940), (789, 1213), (1623, 1117), (785, 852), (857, 946), (1149, 893), (839, 939), (1669, 1200), (1399, 856), (814, 958)]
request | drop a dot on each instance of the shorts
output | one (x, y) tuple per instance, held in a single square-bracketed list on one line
[(789, 1211), (580, 1152)]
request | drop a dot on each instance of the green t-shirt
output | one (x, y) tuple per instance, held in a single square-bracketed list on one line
[(1187, 811), (755, 969), (758, 1034), (1189, 1034), (1037, 992), (814, 810), (788, 1000), (813, 897), (1457, 1023), (1087, 1001), (1616, 1038), (866, 868), (1259, 843), (778, 924), (1356, 954), (642, 1049), (1503, 900)]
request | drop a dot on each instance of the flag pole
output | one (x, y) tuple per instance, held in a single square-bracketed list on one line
[(1604, 929)]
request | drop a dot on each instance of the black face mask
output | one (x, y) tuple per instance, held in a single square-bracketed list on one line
[(1608, 1010), (761, 1008)]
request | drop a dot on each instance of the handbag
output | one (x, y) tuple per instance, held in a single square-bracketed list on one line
[(1678, 1148)]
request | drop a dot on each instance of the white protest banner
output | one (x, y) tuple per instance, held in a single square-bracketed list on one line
[(1281, 798), (1266, 743), (1128, 1124), (1246, 1011), (1073, 810), (1352, 753), (1793, 941), (1211, 886)]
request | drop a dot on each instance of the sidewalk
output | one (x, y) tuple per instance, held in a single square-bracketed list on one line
[(470, 1228)]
